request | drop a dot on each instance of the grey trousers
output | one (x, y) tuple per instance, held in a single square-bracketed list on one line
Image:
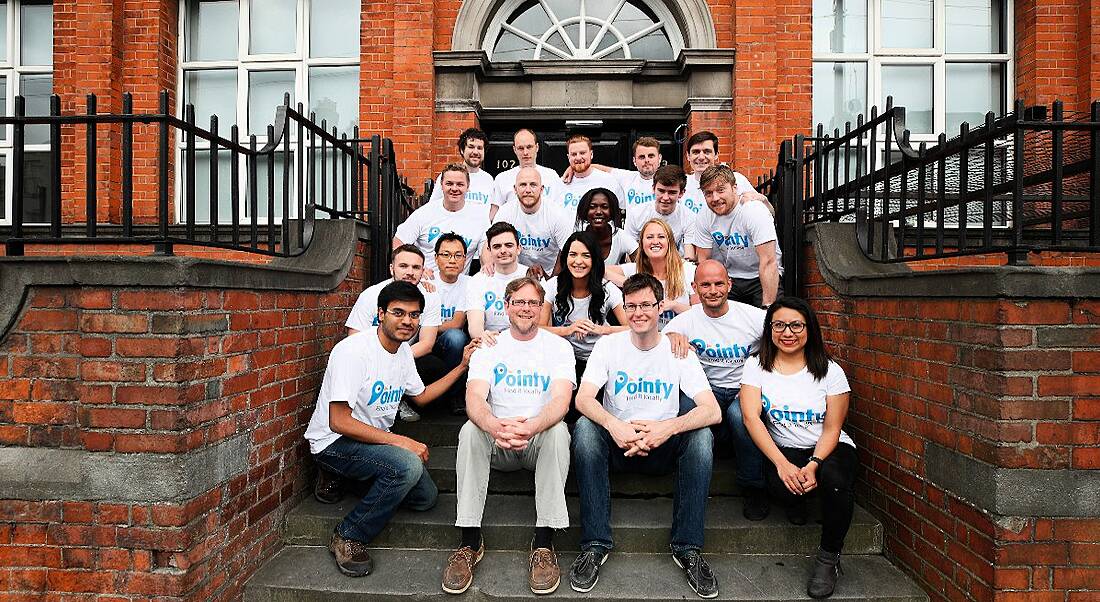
[(547, 454)]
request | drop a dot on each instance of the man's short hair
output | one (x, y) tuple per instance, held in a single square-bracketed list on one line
[(399, 290), (519, 283), (460, 168), (529, 131), (700, 137), (500, 228), (671, 175), (717, 172), (406, 248), (578, 138), (471, 134), (642, 281), (647, 142), (450, 236)]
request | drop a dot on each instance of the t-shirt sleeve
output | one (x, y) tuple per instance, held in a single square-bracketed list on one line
[(481, 365), (414, 385), (473, 293), (613, 299), (836, 382), (433, 314), (700, 231), (344, 374), (622, 177), (499, 194), (565, 363), (742, 184), (692, 378), (751, 372), (679, 325), (760, 224), (596, 370), (629, 243), (358, 318), (437, 192), (409, 230), (561, 228)]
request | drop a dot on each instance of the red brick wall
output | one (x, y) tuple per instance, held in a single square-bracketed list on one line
[(1055, 48)]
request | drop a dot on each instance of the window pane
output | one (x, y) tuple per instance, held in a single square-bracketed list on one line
[(975, 26), (213, 92), (3, 35), (36, 36), (973, 89), (906, 23), (37, 89), (262, 188), (265, 93), (3, 107), (212, 30), (202, 187), (652, 46), (911, 87), (839, 93), (533, 20), (840, 26), (273, 26), (37, 187), (334, 28), (631, 20), (334, 96), (511, 47)]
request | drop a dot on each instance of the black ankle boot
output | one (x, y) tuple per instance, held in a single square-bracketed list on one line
[(824, 575)]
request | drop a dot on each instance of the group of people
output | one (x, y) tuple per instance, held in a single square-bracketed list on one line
[(614, 321)]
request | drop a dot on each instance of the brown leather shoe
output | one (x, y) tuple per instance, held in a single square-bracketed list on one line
[(352, 557), (459, 572), (545, 574), (329, 487)]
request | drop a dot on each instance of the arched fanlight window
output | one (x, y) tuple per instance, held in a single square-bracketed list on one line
[(582, 30)]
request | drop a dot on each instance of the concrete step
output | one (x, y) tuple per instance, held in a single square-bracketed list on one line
[(435, 428), (308, 574), (639, 525)]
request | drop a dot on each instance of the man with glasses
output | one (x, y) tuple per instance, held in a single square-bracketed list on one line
[(639, 428), (450, 257), (471, 146), (516, 396), (723, 335), (367, 375)]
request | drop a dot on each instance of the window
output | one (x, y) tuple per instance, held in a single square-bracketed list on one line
[(239, 58), (584, 30), (26, 68)]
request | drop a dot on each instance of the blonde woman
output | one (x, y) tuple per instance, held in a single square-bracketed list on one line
[(659, 258)]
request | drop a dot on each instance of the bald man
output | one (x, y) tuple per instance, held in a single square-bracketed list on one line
[(543, 229)]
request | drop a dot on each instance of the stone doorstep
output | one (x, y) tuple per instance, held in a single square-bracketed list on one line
[(639, 525), (308, 574)]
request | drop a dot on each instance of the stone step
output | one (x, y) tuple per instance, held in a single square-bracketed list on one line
[(639, 525), (434, 429), (309, 574)]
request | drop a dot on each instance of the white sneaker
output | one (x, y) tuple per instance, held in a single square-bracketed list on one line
[(406, 413)]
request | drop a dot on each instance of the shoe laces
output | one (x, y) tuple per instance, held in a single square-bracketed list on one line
[(354, 547), (542, 557), (464, 554), (694, 561), (585, 561)]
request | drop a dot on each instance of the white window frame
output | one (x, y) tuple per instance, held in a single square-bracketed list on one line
[(299, 62)]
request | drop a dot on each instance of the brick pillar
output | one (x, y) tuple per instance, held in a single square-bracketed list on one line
[(376, 68), (412, 103), (1088, 52), (1047, 50)]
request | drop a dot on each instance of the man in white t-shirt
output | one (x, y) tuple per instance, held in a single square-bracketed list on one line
[(741, 236), (723, 334), (471, 146), (525, 144), (702, 153), (668, 187), (517, 393), (542, 228), (485, 315), (349, 431), (585, 177), (639, 427), (637, 186), (454, 214), (450, 285)]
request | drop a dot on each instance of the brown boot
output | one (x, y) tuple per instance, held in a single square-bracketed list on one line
[(329, 487), (352, 557), (545, 574), (459, 572)]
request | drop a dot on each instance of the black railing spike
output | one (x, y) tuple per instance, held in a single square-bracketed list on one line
[(91, 165), (127, 167), (55, 166)]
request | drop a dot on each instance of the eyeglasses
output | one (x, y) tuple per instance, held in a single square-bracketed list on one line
[(633, 307), (532, 303), (779, 326), (400, 313), (450, 256)]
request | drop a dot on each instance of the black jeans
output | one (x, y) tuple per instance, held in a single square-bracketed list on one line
[(749, 291), (836, 479)]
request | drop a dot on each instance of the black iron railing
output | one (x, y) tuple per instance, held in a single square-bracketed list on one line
[(1025, 182), (302, 169)]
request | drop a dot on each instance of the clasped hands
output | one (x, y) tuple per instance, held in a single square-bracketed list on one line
[(513, 434), (798, 481), (639, 437)]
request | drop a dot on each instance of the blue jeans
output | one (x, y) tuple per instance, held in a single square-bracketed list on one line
[(399, 477), (750, 460), (449, 345), (595, 455)]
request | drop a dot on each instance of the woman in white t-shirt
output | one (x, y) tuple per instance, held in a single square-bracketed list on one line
[(804, 396), (660, 258), (600, 215)]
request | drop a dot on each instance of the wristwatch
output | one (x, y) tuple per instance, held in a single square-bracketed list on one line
[(815, 459)]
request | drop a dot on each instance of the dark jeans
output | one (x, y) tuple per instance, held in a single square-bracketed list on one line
[(445, 355), (732, 431), (835, 486), (595, 455), (748, 290), (398, 477)]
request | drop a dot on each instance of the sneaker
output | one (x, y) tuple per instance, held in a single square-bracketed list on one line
[(824, 575), (459, 572), (585, 571), (406, 413), (699, 576), (329, 487), (797, 513), (352, 557), (757, 505), (545, 574)]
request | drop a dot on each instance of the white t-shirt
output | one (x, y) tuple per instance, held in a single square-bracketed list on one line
[(733, 238), (433, 220), (568, 196), (629, 269), (795, 403), (723, 343), (613, 298), (622, 244), (693, 195), (364, 314), (642, 385), (372, 380), (519, 373), (481, 190), (506, 185), (637, 191), (452, 296), (486, 294), (542, 234), (681, 220)]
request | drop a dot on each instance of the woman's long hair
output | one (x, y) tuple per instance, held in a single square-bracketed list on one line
[(817, 359), (563, 299), (616, 217), (674, 264)]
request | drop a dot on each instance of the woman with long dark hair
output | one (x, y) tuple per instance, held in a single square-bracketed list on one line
[(804, 396), (599, 214)]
